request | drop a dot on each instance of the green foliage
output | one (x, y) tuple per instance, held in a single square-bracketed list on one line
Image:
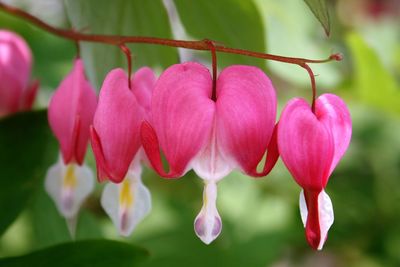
[(93, 253), (49, 232), (320, 10), (26, 150), (234, 23), (374, 84), (121, 17)]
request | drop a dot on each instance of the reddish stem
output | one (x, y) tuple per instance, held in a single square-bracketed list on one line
[(195, 45), (128, 55), (78, 49), (214, 68), (313, 85), (118, 40)]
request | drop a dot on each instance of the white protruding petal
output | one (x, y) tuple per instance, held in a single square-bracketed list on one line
[(68, 186), (208, 224), (325, 212), (210, 163), (126, 203), (326, 216), (303, 208)]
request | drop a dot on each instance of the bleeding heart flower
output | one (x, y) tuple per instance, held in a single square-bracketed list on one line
[(117, 146), (71, 112), (16, 92), (311, 146), (212, 137), (70, 115)]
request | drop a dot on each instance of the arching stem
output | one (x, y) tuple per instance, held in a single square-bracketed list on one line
[(195, 45), (313, 85), (128, 55), (214, 68)]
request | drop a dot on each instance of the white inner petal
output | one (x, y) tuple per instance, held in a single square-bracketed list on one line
[(69, 186), (210, 164), (126, 203), (325, 212), (208, 224)]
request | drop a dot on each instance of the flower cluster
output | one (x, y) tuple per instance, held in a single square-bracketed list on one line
[(211, 125)]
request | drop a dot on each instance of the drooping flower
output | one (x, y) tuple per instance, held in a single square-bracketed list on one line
[(115, 139), (70, 115), (16, 91), (311, 146), (212, 137)]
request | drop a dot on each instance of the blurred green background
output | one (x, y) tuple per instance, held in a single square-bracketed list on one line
[(261, 220)]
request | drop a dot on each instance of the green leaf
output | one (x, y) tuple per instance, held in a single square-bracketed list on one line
[(121, 17), (234, 23), (93, 253), (375, 85), (320, 11), (26, 151)]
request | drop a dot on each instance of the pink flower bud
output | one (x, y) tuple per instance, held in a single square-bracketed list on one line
[(71, 112), (16, 92)]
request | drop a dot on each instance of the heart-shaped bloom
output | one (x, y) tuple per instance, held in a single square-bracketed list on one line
[(116, 144), (71, 112), (311, 146), (70, 115), (212, 137), (16, 91)]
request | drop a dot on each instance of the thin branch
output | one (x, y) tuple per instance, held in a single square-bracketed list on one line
[(313, 85), (120, 40)]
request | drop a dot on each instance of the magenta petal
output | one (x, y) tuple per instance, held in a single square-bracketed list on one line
[(10, 94), (305, 145), (102, 169), (272, 155), (333, 112), (70, 114), (15, 58), (313, 231), (246, 113), (117, 124), (152, 148), (182, 113), (143, 82)]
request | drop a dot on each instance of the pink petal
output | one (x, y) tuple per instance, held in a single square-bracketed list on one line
[(333, 112), (117, 125), (313, 230), (182, 116), (70, 114), (246, 113), (15, 58), (102, 168), (305, 145), (272, 155), (143, 82), (10, 94)]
